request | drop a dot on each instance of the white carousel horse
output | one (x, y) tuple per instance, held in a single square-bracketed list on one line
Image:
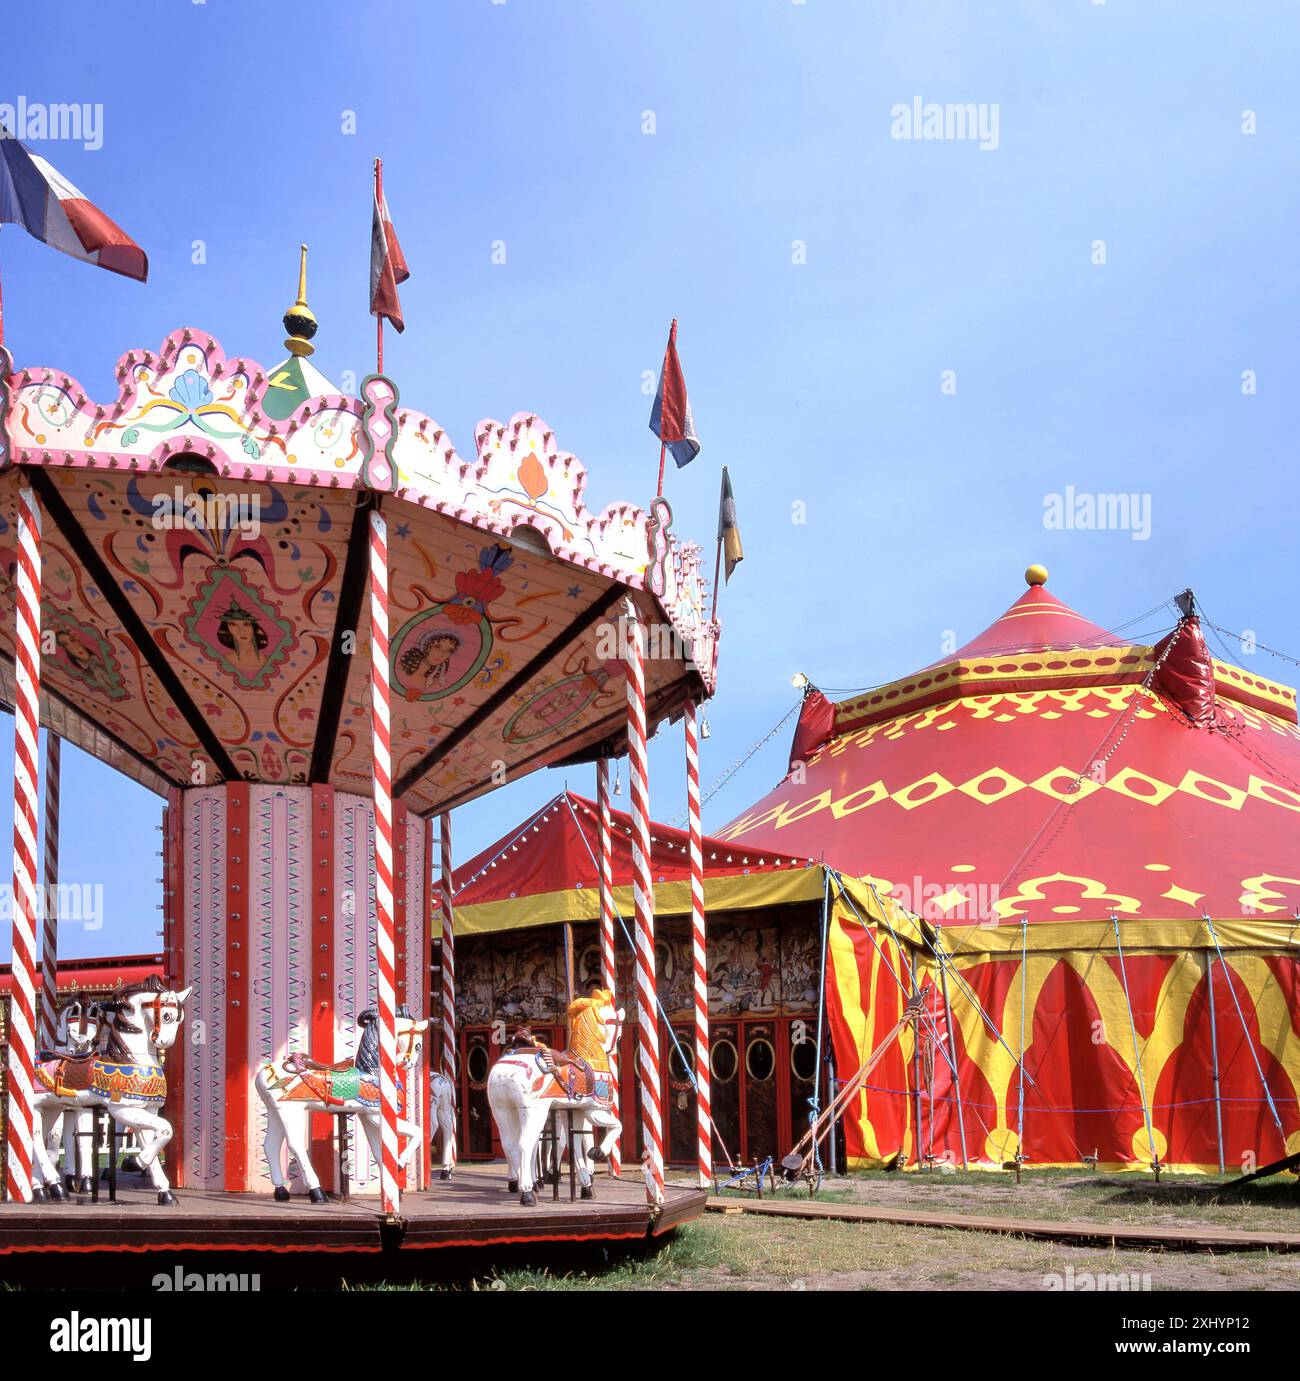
[(530, 1080), (295, 1087), (442, 1101), (126, 1078), (77, 1031)]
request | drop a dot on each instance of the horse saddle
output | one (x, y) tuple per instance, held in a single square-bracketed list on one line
[(67, 1073), (574, 1075)]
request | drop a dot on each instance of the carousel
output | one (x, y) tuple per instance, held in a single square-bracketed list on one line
[(314, 628)]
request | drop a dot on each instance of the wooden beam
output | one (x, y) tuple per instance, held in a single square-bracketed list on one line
[(352, 590)]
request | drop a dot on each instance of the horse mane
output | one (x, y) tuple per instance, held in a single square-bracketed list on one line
[(367, 1056), (115, 1048)]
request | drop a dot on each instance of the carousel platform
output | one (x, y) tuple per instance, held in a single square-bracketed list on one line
[(472, 1210)]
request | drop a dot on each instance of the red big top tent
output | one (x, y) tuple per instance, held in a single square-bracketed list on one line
[(546, 870), (1101, 840)]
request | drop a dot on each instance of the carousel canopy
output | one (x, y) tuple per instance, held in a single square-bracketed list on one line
[(1048, 771), (205, 570), (547, 870)]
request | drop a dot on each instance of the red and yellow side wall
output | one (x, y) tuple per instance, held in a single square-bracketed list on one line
[(1094, 1082)]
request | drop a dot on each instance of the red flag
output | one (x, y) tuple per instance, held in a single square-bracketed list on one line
[(387, 267)]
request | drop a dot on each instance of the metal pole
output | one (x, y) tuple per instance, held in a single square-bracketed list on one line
[(50, 893), (608, 965), (381, 756), (644, 898), (952, 1050), (699, 955), (20, 1131), (1214, 1059)]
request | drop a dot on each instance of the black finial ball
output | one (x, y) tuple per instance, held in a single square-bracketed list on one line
[(299, 325)]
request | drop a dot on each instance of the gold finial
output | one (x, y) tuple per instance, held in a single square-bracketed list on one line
[(1036, 575), (300, 320)]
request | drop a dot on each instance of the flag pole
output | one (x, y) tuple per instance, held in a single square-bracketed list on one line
[(663, 450), (379, 319)]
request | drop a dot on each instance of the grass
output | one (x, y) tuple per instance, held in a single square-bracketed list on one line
[(742, 1252)]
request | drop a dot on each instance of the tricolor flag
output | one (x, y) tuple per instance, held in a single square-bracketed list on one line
[(670, 418), (387, 267), (729, 527), (48, 206)]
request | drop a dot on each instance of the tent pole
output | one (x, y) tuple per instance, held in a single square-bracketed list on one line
[(916, 1082), (1245, 1031), (1214, 1058), (821, 1016), (952, 1048), (1137, 1057), (1020, 1112)]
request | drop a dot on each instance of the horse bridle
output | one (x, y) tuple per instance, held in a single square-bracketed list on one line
[(158, 1006)]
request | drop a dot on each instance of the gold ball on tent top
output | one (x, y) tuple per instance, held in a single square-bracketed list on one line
[(1036, 575), (300, 320)]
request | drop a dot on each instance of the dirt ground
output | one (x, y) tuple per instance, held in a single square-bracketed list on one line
[(739, 1251)]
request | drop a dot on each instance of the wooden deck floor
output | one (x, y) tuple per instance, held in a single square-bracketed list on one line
[(1182, 1237), (472, 1210)]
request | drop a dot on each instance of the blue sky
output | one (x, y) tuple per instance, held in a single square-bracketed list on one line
[(817, 382)]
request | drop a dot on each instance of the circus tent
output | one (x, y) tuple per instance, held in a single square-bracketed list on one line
[(546, 871), (1097, 842)]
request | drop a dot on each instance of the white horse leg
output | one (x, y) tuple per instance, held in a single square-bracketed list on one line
[(532, 1118), (444, 1108), (154, 1132), (272, 1149), (295, 1124), (604, 1117), (46, 1174), (411, 1131), (506, 1116)]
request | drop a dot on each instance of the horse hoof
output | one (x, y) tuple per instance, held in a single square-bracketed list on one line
[(56, 1192), (282, 1195), (318, 1195), (167, 1199), (132, 1165), (528, 1199), (598, 1156), (586, 1192), (38, 1193), (444, 1174), (86, 1185), (512, 1186), (70, 1183)]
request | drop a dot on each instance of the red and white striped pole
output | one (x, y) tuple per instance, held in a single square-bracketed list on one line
[(448, 961), (389, 1191), (607, 962), (50, 896), (644, 898), (22, 1007), (703, 1111)]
